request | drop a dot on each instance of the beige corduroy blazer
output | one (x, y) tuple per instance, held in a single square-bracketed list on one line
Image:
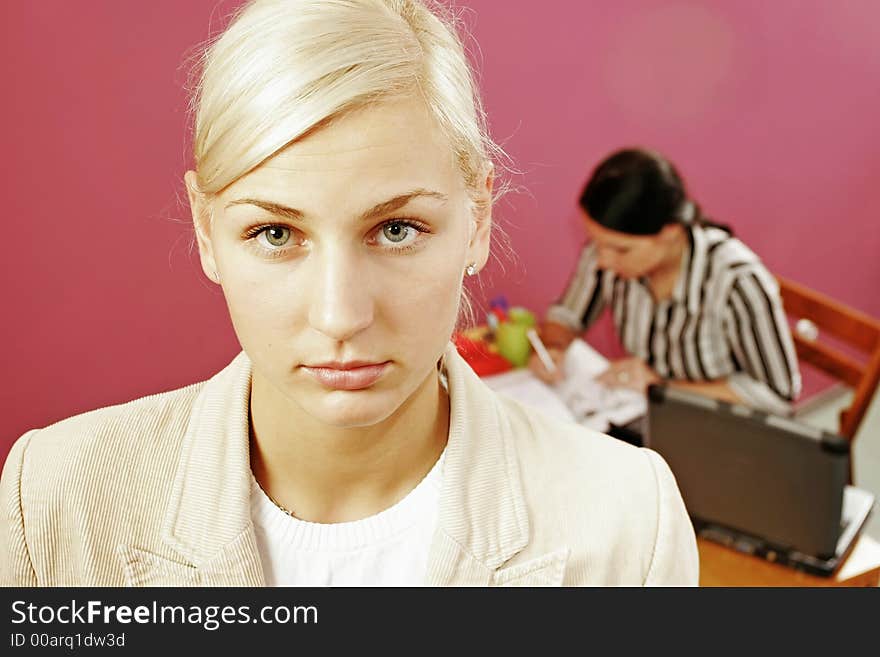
[(156, 492)]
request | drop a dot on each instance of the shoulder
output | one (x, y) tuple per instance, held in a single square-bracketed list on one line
[(616, 506), (576, 457), (731, 263), (754, 284), (129, 436), (723, 249), (543, 435)]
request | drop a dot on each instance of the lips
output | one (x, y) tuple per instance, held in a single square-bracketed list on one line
[(353, 375)]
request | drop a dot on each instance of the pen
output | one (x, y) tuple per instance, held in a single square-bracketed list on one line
[(541, 350)]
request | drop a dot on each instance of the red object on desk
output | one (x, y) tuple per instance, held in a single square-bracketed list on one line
[(478, 356)]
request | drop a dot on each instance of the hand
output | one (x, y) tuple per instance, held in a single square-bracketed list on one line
[(631, 373), (556, 335), (536, 365)]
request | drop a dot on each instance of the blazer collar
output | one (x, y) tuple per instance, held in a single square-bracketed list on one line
[(208, 517), (483, 518)]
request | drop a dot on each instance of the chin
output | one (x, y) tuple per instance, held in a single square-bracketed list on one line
[(344, 409)]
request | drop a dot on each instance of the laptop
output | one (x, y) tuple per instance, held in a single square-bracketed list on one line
[(759, 483)]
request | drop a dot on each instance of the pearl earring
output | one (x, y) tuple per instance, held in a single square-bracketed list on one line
[(471, 269)]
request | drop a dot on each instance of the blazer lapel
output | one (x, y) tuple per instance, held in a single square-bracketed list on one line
[(234, 565), (207, 523), (546, 570), (483, 515)]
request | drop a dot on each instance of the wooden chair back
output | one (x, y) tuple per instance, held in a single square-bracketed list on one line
[(849, 326)]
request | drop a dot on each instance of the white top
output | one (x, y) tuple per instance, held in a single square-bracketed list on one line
[(386, 549)]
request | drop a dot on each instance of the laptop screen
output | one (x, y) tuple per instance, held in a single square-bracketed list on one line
[(765, 476)]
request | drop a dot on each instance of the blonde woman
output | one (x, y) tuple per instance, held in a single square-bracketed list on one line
[(342, 189)]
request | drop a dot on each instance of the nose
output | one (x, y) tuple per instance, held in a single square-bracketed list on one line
[(342, 296)]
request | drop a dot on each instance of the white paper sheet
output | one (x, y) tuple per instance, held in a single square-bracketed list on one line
[(524, 386), (579, 397)]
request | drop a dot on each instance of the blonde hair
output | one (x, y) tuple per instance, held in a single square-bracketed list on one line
[(283, 68)]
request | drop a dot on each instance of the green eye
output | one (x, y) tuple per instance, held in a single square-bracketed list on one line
[(395, 232), (277, 235)]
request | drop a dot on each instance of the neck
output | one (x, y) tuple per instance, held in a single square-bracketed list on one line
[(665, 276), (328, 474)]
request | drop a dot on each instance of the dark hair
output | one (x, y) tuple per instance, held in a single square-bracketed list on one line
[(638, 191)]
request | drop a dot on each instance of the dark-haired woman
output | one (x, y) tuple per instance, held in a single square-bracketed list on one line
[(692, 304)]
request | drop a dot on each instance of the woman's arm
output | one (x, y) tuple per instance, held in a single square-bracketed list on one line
[(634, 373), (720, 389), (577, 308), (583, 299), (760, 339)]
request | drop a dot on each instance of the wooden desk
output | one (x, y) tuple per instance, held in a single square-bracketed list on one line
[(723, 566)]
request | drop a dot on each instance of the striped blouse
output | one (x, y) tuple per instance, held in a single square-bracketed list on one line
[(724, 319)]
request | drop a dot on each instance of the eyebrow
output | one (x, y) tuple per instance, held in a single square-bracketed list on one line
[(377, 210)]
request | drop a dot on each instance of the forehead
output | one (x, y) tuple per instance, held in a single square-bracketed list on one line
[(374, 151), (605, 236)]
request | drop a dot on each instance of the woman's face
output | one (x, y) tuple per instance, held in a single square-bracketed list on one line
[(631, 256), (341, 259)]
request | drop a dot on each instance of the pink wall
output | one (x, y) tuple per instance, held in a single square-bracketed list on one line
[(769, 109)]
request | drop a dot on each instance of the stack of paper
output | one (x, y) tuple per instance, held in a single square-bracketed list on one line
[(578, 397)]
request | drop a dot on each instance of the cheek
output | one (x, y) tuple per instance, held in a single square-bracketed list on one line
[(653, 257), (261, 298), (638, 260), (422, 292), (422, 306), (261, 319)]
